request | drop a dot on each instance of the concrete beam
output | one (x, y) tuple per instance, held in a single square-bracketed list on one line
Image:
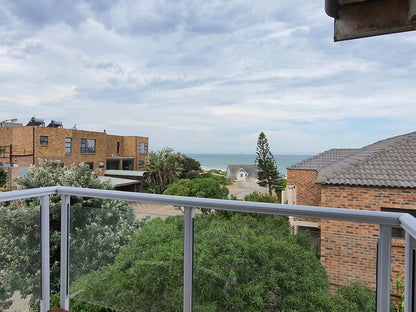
[(358, 18)]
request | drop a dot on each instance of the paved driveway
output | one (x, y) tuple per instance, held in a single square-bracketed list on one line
[(241, 189)]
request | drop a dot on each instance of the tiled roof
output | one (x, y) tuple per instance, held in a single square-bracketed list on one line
[(390, 162), (250, 169), (322, 160)]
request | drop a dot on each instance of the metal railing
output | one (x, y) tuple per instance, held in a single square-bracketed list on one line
[(386, 220)]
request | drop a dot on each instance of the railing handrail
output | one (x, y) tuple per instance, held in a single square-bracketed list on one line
[(29, 193), (339, 214)]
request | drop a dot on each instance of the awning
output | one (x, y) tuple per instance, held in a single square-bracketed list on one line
[(118, 182)]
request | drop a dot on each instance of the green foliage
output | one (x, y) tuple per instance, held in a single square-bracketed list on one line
[(191, 167), (200, 187), (259, 197), (165, 167), (147, 274), (220, 177), (267, 174), (398, 305), (242, 262), (363, 297), (217, 171), (95, 225), (79, 306)]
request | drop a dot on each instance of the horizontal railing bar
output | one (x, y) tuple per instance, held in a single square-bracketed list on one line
[(340, 214), (22, 194), (408, 223)]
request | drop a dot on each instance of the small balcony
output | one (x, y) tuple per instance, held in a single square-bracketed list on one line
[(109, 267)]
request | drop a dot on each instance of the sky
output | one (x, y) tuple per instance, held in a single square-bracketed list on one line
[(205, 76)]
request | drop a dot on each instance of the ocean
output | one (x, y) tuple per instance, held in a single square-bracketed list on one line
[(221, 161)]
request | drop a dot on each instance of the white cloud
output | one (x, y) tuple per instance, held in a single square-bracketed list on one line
[(204, 76)]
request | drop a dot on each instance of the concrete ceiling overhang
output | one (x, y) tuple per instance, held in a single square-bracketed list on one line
[(365, 18)]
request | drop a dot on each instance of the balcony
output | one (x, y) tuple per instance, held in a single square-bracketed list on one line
[(186, 258)]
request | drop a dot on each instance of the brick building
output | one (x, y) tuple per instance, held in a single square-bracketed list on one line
[(380, 177), (25, 145)]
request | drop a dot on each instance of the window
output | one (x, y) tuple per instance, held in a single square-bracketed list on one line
[(113, 164), (142, 148), (128, 164), (118, 147), (141, 163), (396, 231), (101, 164), (90, 164), (87, 146), (68, 145), (43, 140)]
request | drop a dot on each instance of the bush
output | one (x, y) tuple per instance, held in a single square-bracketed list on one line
[(242, 263), (260, 197), (200, 187), (360, 295)]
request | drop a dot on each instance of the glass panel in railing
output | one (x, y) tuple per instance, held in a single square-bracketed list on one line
[(126, 257), (20, 255), (349, 255), (252, 262)]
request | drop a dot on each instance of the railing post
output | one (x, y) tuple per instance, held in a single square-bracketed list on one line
[(44, 247), (409, 291), (64, 291), (384, 269), (188, 259)]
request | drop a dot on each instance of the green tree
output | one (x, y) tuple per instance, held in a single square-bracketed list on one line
[(3, 175), (199, 187), (191, 167), (242, 262), (165, 167), (267, 173), (259, 197), (96, 224)]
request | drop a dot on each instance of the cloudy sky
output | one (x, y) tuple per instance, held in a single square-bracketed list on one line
[(205, 76)]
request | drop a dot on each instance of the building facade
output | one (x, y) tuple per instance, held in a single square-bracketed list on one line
[(378, 177), (25, 145), (242, 173)]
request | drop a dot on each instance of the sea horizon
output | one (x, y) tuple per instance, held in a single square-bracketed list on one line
[(220, 161)]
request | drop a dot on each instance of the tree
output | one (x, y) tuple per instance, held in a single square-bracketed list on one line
[(3, 175), (200, 187), (96, 225), (267, 174), (242, 262), (165, 167), (191, 167), (259, 197)]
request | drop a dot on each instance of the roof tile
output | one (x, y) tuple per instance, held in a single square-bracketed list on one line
[(390, 162)]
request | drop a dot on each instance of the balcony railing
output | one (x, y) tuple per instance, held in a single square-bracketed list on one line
[(386, 220)]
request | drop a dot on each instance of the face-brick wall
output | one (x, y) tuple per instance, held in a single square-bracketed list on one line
[(348, 250), (27, 148), (307, 191)]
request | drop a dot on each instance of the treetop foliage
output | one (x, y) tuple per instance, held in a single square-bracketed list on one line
[(242, 262), (98, 229), (166, 167), (267, 173), (199, 187)]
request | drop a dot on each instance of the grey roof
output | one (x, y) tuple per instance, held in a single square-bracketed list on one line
[(117, 182), (323, 159), (126, 173), (250, 169), (388, 163)]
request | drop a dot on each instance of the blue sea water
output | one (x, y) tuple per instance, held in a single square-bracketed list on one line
[(221, 161)]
